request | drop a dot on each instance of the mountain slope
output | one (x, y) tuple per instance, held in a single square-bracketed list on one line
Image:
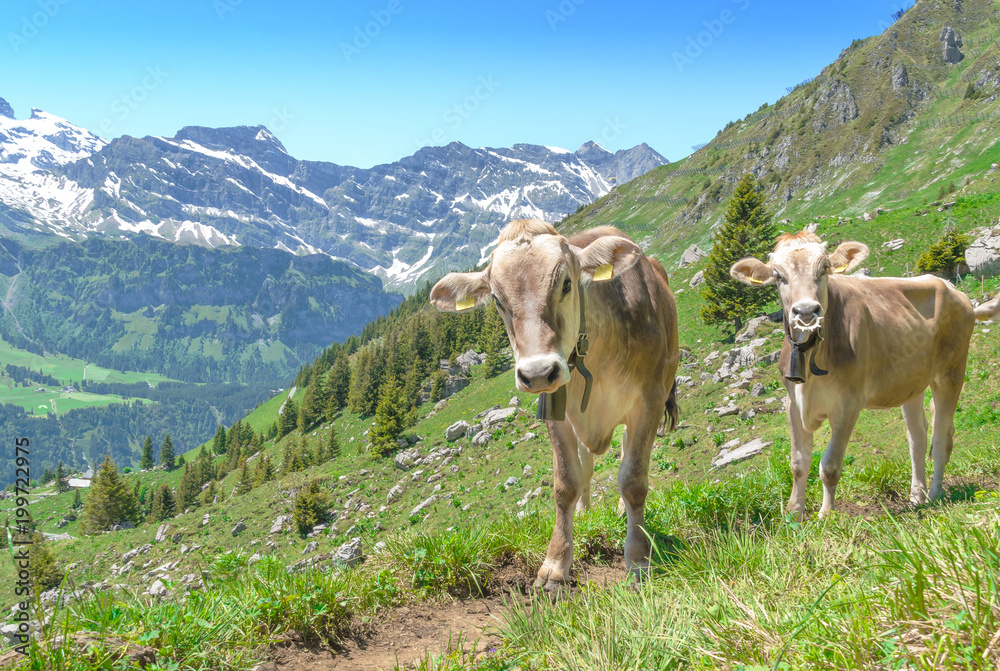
[(232, 314), (435, 210), (894, 119)]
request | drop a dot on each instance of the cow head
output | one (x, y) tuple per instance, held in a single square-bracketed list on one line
[(800, 266), (534, 278)]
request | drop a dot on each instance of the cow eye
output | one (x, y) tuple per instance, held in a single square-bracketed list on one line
[(567, 286), (779, 278), (499, 304)]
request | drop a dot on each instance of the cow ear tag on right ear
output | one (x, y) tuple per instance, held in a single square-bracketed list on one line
[(604, 273), (465, 304)]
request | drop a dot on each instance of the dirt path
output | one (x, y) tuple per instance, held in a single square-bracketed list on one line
[(406, 635)]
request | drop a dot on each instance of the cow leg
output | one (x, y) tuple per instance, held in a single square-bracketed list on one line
[(567, 484), (801, 458), (916, 434), (621, 458), (944, 404), (633, 484), (586, 477), (831, 466)]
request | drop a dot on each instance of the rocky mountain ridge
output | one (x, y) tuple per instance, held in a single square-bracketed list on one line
[(438, 209)]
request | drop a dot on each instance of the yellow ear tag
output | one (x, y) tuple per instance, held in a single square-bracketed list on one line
[(841, 269), (754, 280), (604, 273), (465, 304)]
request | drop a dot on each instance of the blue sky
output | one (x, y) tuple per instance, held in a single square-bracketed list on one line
[(370, 81)]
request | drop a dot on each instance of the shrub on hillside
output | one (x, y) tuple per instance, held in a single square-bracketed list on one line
[(946, 256), (311, 504)]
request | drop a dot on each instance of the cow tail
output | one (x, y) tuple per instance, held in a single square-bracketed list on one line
[(988, 310), (671, 413)]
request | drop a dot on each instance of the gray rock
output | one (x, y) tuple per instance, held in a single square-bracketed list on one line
[(434, 478), (770, 358), (751, 449), (683, 381), (205, 519), (429, 501), (757, 390), (750, 331), (402, 443), (482, 438), (515, 402), (894, 245), (394, 493), (440, 405), (698, 279), (456, 430), (161, 533), (496, 416), (511, 482), (983, 255), (726, 411), (406, 459), (279, 524), (900, 78), (692, 254), (158, 588), (470, 358), (350, 553), (310, 547), (238, 529), (951, 45), (473, 430)]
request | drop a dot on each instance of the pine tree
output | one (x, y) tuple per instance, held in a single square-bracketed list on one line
[(219, 442), (110, 500), (77, 501), (146, 460), (60, 474), (320, 456), (311, 412), (164, 505), (245, 483), (747, 231), (437, 385), (333, 450), (390, 418), (310, 507), (495, 344), (188, 489), (264, 471), (208, 496), (167, 453), (338, 385), (288, 420), (42, 567)]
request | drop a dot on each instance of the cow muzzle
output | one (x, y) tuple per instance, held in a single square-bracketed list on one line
[(804, 319), (541, 374)]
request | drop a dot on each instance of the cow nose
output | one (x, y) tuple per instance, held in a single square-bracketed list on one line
[(539, 374), (806, 310)]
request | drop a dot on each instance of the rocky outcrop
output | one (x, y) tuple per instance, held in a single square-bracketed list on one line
[(692, 254), (983, 255), (951, 45)]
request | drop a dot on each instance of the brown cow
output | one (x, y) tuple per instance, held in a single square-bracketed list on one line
[(870, 343), (539, 281)]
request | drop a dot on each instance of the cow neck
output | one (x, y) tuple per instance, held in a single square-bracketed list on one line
[(795, 372), (552, 406)]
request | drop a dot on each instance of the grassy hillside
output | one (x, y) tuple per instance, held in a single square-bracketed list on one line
[(888, 124), (737, 584)]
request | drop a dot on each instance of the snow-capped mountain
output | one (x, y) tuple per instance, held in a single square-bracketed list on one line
[(31, 153), (438, 209)]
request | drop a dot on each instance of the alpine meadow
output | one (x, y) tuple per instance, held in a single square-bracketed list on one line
[(263, 411)]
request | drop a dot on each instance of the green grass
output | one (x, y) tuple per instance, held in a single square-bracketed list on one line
[(69, 370)]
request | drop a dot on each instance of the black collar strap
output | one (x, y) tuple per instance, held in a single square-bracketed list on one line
[(797, 362), (553, 406)]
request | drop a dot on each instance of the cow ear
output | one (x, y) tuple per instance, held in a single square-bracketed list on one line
[(847, 257), (607, 258), (457, 292), (752, 271)]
